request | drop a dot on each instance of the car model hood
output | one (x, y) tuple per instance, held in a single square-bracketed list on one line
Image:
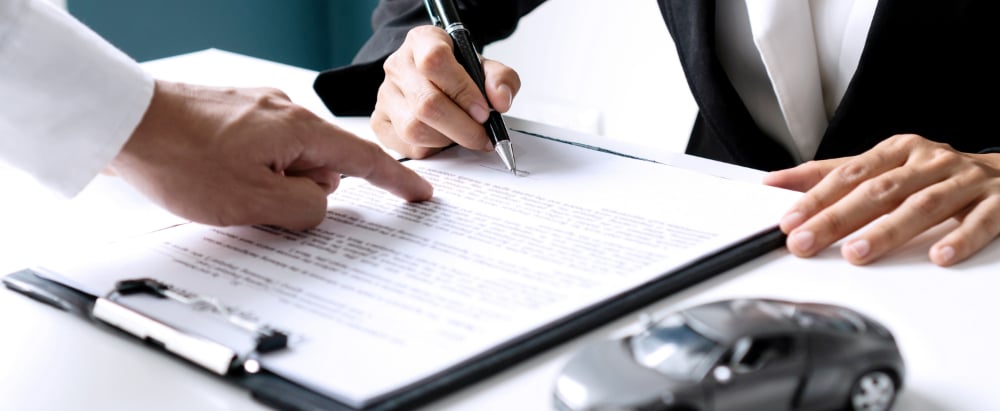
[(606, 375)]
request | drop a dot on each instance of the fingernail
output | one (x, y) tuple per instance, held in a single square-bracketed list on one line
[(792, 220), (859, 248), (509, 93), (479, 113), (944, 254), (801, 241)]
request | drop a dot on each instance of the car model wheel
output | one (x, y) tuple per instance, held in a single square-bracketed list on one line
[(873, 391)]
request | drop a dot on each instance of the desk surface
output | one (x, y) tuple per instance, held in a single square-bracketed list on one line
[(942, 317)]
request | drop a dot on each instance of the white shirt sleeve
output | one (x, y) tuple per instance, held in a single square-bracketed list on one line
[(69, 100)]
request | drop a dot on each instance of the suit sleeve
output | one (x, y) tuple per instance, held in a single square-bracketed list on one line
[(68, 99), (351, 90)]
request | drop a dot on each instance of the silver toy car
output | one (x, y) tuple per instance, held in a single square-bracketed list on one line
[(747, 354)]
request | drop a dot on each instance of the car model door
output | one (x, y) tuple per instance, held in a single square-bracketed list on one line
[(761, 373)]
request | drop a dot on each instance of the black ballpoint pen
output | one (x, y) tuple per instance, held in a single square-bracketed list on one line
[(444, 14)]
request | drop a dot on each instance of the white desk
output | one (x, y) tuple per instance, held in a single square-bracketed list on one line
[(50, 360)]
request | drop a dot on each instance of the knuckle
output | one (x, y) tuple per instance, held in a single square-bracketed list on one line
[(385, 131), (270, 97), (468, 94), (886, 234), (833, 221), (275, 92), (926, 202), (413, 131), (428, 105), (391, 64), (812, 168), (980, 171), (384, 98), (976, 175), (990, 221), (807, 205), (988, 225), (398, 64), (436, 59), (954, 185), (944, 157), (902, 141), (851, 172), (880, 188), (299, 113), (268, 100), (416, 33), (262, 100)]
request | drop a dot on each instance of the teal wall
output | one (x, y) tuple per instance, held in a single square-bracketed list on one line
[(315, 34)]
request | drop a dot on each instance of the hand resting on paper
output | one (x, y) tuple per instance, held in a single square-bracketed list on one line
[(427, 100), (248, 156), (915, 182)]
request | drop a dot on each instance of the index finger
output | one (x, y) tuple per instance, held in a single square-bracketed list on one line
[(345, 153), (834, 183)]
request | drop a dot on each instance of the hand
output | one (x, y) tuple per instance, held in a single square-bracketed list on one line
[(249, 156), (428, 101), (914, 182)]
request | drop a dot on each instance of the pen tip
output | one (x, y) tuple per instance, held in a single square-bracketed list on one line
[(507, 155)]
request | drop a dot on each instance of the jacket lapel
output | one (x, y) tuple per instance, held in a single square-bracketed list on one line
[(842, 135), (723, 119), (897, 87)]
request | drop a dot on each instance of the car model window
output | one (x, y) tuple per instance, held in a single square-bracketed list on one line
[(750, 354), (674, 349)]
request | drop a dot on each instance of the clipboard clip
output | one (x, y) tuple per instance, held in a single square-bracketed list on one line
[(244, 338)]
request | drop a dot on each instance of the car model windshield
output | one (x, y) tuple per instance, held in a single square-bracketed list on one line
[(671, 347)]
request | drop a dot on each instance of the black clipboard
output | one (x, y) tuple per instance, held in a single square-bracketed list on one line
[(280, 393)]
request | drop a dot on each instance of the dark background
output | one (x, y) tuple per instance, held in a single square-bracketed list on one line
[(313, 34)]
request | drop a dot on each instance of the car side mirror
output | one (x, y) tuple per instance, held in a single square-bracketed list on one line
[(722, 374)]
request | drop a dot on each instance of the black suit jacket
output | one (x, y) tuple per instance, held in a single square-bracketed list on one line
[(926, 68)]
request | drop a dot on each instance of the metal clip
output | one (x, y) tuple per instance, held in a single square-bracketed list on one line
[(197, 347)]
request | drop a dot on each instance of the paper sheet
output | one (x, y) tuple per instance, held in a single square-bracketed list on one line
[(386, 293)]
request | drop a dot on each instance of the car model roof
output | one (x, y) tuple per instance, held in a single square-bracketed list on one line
[(726, 321)]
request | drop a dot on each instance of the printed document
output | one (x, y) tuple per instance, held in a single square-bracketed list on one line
[(385, 293)]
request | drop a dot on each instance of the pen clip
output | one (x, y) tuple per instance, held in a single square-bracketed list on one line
[(433, 12)]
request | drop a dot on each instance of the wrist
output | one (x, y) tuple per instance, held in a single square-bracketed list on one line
[(155, 121)]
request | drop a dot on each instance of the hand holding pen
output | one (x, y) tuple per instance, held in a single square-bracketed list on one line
[(428, 100)]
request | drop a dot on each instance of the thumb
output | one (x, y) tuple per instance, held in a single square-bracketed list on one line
[(802, 177), (295, 203)]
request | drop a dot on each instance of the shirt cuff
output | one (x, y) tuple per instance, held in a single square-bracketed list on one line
[(70, 100)]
